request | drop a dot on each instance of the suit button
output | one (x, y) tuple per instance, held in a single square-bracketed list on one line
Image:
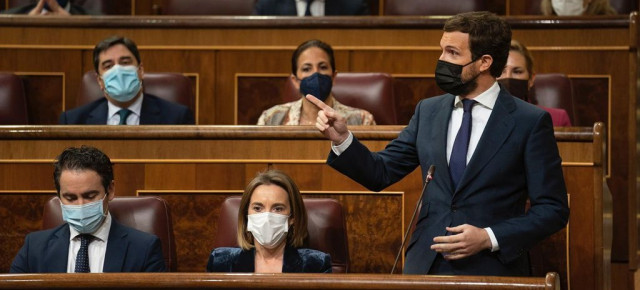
[(454, 208)]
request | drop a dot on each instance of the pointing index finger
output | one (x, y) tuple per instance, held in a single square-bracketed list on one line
[(317, 102)]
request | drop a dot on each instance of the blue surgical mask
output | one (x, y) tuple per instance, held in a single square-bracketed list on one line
[(122, 82), (318, 85), (84, 218)]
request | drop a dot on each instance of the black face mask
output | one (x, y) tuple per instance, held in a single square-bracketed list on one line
[(449, 78), (317, 85), (517, 88)]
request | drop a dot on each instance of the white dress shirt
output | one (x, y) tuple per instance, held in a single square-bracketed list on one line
[(113, 118), (317, 7), (479, 116), (97, 247)]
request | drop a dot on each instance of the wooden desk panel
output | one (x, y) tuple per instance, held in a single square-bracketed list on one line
[(271, 281), (194, 167)]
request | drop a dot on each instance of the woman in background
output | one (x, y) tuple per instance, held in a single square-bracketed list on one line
[(518, 76), (312, 72)]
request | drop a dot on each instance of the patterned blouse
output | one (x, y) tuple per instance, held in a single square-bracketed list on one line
[(289, 114)]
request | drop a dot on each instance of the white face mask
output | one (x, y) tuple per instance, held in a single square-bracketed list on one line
[(568, 7), (268, 229)]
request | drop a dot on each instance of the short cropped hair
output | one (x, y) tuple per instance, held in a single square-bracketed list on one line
[(108, 43), (308, 44), (521, 49), (84, 158), (488, 34), (297, 231)]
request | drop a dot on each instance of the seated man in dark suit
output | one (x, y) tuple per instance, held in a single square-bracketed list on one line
[(48, 7), (311, 8), (90, 240), (117, 63)]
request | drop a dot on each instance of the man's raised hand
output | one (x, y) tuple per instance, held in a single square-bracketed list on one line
[(329, 122)]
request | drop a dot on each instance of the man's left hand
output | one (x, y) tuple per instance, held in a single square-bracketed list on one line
[(465, 240)]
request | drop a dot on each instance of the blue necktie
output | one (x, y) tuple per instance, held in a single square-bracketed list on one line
[(307, 12), (124, 113), (458, 160), (82, 259)]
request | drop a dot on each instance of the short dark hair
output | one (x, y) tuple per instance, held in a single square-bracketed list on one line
[(111, 41), (308, 44), (84, 158), (488, 34)]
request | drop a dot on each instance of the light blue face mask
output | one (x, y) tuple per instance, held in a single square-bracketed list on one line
[(122, 83), (84, 218)]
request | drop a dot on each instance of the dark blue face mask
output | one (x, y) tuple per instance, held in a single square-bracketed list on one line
[(62, 3), (317, 85)]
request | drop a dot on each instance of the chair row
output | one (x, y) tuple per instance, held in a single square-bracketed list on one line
[(370, 91), (245, 7), (326, 225)]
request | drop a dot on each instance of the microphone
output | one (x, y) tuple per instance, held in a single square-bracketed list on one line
[(429, 177)]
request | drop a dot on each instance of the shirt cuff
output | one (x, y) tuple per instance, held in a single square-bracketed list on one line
[(494, 241), (338, 149)]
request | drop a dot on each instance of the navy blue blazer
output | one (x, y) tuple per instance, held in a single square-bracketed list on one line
[(331, 7), (128, 250), (295, 261), (154, 111), (516, 158)]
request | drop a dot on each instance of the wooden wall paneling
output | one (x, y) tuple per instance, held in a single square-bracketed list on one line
[(255, 93), (593, 101), (45, 94), (409, 90), (13, 177), (193, 63), (48, 78), (128, 177), (232, 62), (145, 7), (20, 214)]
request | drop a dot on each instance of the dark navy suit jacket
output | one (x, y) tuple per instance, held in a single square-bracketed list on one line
[(516, 158), (128, 250), (331, 7), (154, 111), (295, 261)]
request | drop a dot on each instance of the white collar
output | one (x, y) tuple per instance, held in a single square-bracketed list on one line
[(487, 98), (135, 108)]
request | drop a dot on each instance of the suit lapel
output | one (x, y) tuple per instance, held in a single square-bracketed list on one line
[(498, 129), (150, 111), (245, 262), (292, 262), (116, 249), (439, 134), (57, 254), (99, 115)]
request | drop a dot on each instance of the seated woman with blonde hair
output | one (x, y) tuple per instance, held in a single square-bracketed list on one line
[(518, 76), (313, 70), (272, 227)]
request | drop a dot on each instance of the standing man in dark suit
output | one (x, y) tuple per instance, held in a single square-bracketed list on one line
[(117, 63), (90, 240), (311, 7), (492, 152)]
